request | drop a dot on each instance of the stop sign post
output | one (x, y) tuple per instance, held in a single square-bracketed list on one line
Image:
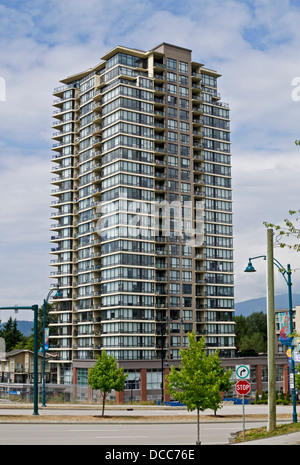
[(243, 388)]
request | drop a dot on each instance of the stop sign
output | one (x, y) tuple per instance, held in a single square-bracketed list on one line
[(243, 387)]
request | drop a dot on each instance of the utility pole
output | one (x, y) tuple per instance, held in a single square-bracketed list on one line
[(271, 334)]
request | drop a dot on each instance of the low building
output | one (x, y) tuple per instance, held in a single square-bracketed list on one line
[(17, 366), (144, 383)]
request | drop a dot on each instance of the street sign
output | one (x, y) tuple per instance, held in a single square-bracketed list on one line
[(243, 387), (292, 384), (242, 371)]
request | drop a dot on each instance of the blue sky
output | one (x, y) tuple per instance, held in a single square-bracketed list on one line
[(255, 45)]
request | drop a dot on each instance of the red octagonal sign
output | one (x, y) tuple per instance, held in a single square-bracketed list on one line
[(243, 387)]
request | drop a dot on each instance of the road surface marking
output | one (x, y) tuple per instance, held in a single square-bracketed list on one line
[(120, 437)]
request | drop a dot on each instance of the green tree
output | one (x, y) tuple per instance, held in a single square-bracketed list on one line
[(281, 396), (287, 398), (13, 337), (254, 343), (297, 381), (106, 376), (288, 234), (251, 333), (200, 379), (264, 397), (48, 319), (27, 343), (256, 401)]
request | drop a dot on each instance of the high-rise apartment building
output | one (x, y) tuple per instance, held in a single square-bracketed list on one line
[(142, 198)]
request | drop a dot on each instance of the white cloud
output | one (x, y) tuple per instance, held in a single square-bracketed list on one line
[(24, 241), (253, 44)]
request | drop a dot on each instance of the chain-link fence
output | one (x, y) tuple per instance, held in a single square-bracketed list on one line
[(56, 394), (65, 393)]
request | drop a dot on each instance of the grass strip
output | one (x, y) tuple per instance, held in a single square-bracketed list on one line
[(262, 432)]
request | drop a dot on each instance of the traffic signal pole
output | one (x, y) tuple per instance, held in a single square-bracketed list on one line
[(35, 361)]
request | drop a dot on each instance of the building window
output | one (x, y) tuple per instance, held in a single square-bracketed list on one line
[(187, 301), (172, 148), (186, 276), (171, 76), (172, 112), (172, 136), (174, 262), (82, 376), (183, 67), (172, 100), (174, 301), (185, 93), (174, 275), (172, 124), (172, 88), (185, 151), (133, 380), (171, 64), (186, 263), (175, 341), (174, 288), (184, 138), (153, 379), (173, 185), (173, 173), (185, 187), (184, 114), (172, 161), (186, 288), (187, 314)]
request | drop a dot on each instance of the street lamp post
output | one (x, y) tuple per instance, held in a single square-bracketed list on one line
[(288, 271), (35, 309), (163, 329), (271, 325), (58, 294)]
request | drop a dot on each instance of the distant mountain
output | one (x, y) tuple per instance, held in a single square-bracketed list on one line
[(260, 305), (24, 326)]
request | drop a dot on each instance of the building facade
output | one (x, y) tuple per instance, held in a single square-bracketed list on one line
[(142, 246), (17, 366)]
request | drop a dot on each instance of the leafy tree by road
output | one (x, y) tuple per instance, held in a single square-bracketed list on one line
[(12, 336), (287, 235), (15, 339), (251, 333), (106, 376), (199, 380), (297, 381)]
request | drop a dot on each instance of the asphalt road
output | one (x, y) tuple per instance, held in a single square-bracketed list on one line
[(69, 409), (116, 434), (136, 434)]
